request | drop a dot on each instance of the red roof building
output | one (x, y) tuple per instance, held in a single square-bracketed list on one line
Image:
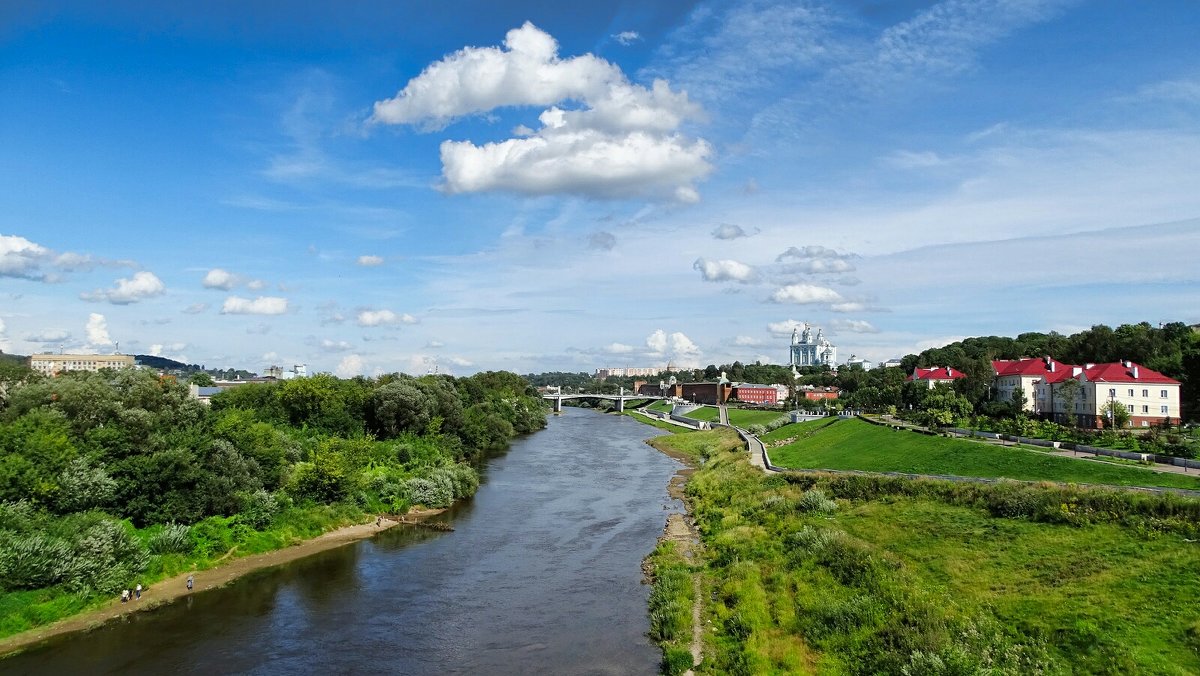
[(935, 375)]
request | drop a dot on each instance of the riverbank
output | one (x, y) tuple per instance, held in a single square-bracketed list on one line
[(173, 588)]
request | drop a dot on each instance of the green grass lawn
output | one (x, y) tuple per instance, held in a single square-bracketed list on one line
[(745, 417), (654, 422), (857, 445), (892, 582), (660, 406), (792, 430), (1097, 591), (709, 413)]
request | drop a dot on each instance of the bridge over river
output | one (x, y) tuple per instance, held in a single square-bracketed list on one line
[(619, 398)]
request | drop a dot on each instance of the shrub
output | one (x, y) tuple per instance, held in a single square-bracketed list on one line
[(815, 500), (172, 539), (676, 660), (258, 508), (213, 535)]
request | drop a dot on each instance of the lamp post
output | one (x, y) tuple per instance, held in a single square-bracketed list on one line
[(1112, 407)]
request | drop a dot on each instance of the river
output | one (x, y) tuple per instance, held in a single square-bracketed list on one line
[(542, 574)]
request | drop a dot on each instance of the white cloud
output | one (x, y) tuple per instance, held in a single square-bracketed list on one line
[(747, 341), (784, 328), (218, 278), (139, 287), (435, 344), (158, 350), (369, 261), (622, 143), (256, 285), (97, 330), (351, 365), (20, 257), (618, 348), (805, 294), (459, 361), (729, 231), (627, 37), (676, 344), (48, 336), (383, 318), (262, 305), (334, 345), (813, 252), (853, 326), (724, 271)]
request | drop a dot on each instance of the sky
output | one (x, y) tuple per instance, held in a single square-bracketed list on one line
[(370, 187)]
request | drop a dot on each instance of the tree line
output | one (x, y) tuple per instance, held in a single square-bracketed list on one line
[(103, 474)]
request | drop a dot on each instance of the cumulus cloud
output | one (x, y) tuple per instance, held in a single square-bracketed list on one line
[(48, 336), (218, 278), (97, 330), (816, 266), (435, 344), (602, 241), (805, 294), (334, 345), (677, 344), (627, 37), (813, 251), (724, 271), (22, 258), (158, 349), (622, 142), (139, 287), (351, 365), (460, 362), (853, 326), (383, 318), (262, 305), (746, 341), (784, 328), (369, 261), (729, 231)]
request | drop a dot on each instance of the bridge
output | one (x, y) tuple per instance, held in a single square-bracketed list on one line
[(619, 398)]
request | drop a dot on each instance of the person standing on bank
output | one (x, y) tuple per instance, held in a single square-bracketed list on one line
[(139, 591), (191, 579), (124, 596)]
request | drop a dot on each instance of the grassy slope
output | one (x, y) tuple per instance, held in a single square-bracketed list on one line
[(854, 444), (793, 430), (746, 418), (709, 413), (660, 406), (914, 574)]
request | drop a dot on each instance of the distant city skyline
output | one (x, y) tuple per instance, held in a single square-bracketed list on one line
[(480, 186)]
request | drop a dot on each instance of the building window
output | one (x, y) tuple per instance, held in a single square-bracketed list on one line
[(1162, 410), (1162, 394), (1131, 391), (1145, 409), (1130, 407), (1112, 391), (1145, 393)]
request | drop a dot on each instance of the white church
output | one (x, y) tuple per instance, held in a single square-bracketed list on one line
[(809, 351)]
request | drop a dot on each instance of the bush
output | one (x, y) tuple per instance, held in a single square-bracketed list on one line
[(676, 661), (213, 535), (172, 539), (815, 500)]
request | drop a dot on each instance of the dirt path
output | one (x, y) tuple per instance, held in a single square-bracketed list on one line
[(170, 589)]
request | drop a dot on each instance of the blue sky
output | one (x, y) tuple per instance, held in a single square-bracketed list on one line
[(530, 186)]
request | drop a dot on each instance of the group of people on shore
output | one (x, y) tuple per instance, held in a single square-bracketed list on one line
[(136, 594)]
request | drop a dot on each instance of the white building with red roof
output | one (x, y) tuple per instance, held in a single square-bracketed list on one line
[(934, 375), (1032, 376), (1149, 396)]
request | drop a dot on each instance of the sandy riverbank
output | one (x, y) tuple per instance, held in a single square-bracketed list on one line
[(170, 589)]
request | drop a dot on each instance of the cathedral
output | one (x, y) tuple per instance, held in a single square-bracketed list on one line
[(809, 351)]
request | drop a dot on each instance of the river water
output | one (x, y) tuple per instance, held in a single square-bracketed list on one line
[(542, 575)]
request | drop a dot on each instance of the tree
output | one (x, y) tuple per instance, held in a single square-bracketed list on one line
[(202, 379), (401, 406), (1115, 414), (1067, 393)]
